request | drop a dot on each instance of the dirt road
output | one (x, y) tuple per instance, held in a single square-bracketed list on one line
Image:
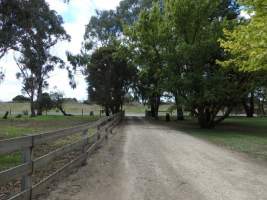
[(145, 161)]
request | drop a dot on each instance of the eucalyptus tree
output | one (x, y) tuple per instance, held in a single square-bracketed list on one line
[(102, 32), (35, 60), (18, 18), (34, 67), (102, 28), (129, 10)]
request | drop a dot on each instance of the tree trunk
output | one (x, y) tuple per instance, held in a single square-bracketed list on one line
[(180, 113), (157, 106), (32, 109), (63, 111), (32, 106), (6, 115), (39, 99), (205, 118), (107, 110), (248, 104), (179, 109), (154, 104), (118, 107), (261, 108)]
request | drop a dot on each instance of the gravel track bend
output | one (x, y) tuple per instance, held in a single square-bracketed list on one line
[(146, 161)]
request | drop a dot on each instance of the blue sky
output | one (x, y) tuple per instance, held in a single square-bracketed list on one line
[(76, 15)]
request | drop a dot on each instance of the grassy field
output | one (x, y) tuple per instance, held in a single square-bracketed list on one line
[(139, 108), (14, 127), (26, 126), (237, 133), (74, 108)]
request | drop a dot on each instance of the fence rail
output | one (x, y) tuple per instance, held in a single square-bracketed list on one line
[(26, 145)]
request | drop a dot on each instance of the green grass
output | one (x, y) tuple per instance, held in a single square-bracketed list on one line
[(7, 161), (14, 127), (76, 108), (139, 108), (237, 133)]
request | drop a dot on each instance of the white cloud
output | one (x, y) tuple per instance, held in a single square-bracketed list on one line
[(59, 6), (106, 4), (76, 15)]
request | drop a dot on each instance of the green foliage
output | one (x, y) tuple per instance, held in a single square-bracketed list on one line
[(174, 50), (58, 102), (246, 44), (35, 61), (109, 78), (102, 28), (45, 102), (20, 19), (193, 29), (129, 10), (20, 98), (103, 32), (145, 39)]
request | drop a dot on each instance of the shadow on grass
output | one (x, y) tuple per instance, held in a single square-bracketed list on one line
[(247, 135)]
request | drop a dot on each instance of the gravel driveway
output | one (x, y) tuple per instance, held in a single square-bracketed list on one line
[(146, 161)]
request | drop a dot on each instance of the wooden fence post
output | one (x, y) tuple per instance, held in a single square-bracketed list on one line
[(98, 133), (27, 157), (106, 132), (85, 143)]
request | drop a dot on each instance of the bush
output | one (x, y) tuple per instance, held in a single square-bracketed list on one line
[(46, 102), (19, 116), (21, 99)]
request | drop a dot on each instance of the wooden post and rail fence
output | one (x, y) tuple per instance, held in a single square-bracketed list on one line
[(27, 144)]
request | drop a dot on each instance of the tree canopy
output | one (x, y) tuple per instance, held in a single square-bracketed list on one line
[(176, 49), (109, 78), (145, 40), (20, 19), (246, 44), (31, 28)]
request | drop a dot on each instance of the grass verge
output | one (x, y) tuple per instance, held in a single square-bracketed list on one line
[(247, 135)]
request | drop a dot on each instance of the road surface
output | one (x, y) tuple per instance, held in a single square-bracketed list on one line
[(145, 161)]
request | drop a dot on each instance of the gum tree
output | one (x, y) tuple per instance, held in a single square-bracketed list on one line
[(35, 61)]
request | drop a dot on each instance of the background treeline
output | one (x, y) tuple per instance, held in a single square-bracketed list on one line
[(177, 49), (31, 29), (202, 54)]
